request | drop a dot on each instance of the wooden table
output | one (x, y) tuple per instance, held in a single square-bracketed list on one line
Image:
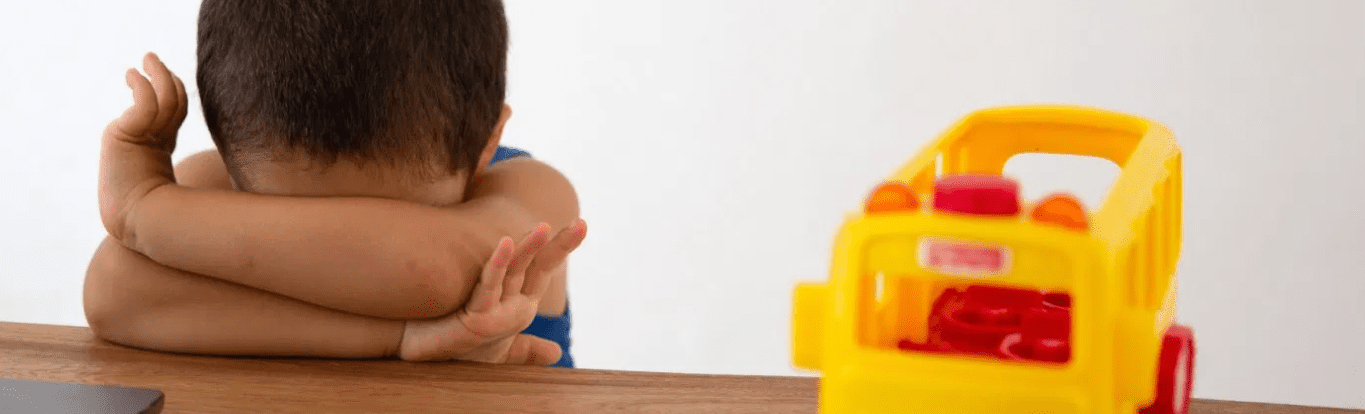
[(195, 384)]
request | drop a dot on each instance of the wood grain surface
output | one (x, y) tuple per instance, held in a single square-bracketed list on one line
[(198, 384)]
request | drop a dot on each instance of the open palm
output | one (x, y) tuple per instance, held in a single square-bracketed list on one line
[(487, 328)]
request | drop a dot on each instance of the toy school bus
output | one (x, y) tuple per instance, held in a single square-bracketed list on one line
[(948, 294)]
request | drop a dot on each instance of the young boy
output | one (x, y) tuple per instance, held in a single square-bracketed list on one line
[(359, 201)]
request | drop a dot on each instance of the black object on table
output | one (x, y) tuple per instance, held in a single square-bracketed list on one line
[(34, 397)]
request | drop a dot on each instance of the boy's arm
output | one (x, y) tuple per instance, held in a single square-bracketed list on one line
[(126, 302), (370, 256), (134, 301)]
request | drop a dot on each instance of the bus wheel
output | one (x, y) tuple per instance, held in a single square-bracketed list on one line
[(1175, 373)]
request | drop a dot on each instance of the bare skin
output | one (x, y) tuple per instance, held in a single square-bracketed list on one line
[(194, 266)]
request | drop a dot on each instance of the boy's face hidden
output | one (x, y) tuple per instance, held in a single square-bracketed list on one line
[(300, 176)]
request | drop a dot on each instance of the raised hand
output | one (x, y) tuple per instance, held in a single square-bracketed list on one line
[(135, 157), (487, 328)]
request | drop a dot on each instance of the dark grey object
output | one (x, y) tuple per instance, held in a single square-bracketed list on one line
[(25, 397)]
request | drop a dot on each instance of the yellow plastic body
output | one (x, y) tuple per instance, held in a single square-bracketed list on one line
[(1120, 274)]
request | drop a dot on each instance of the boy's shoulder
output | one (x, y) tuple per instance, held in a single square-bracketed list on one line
[(204, 169), (533, 185)]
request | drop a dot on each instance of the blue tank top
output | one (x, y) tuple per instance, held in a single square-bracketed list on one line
[(554, 328)]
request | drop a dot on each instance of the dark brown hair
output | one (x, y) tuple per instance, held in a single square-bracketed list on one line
[(396, 81)]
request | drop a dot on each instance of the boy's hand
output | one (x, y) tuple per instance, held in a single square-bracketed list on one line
[(503, 304), (136, 149)]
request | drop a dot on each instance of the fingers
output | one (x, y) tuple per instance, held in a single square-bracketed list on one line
[(539, 275), (526, 252), (489, 291), (532, 350), (167, 97), (159, 107), (136, 122), (179, 118)]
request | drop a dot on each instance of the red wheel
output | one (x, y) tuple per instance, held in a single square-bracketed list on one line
[(1175, 373)]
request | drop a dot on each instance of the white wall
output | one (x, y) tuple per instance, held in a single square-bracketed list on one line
[(716, 145)]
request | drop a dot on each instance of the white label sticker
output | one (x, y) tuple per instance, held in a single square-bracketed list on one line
[(972, 259)]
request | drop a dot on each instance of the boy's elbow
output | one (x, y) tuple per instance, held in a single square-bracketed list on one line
[(103, 322), (126, 327), (109, 316), (430, 298), (121, 305), (433, 291), (112, 326)]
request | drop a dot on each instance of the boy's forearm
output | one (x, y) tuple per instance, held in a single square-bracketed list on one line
[(127, 302), (375, 257)]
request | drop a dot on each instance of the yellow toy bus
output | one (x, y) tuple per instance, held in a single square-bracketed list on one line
[(948, 294)]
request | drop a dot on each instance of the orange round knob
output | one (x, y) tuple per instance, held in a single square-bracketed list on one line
[(1063, 210), (892, 196)]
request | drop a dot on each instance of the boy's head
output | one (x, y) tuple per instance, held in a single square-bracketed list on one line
[(337, 93)]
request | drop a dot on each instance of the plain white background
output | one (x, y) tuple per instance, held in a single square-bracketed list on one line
[(716, 145)]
